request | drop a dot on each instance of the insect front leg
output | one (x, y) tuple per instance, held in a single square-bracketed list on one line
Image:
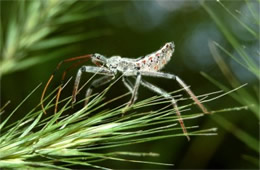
[(95, 84), (173, 101), (88, 69)]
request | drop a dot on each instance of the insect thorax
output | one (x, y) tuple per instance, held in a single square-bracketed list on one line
[(117, 63)]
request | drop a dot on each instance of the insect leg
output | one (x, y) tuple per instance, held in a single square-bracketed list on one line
[(134, 92), (128, 84), (97, 83), (181, 83), (167, 96), (88, 69)]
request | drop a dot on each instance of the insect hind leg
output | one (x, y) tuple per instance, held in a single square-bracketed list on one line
[(173, 101), (180, 82)]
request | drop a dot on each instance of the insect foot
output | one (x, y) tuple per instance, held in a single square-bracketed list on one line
[(125, 109)]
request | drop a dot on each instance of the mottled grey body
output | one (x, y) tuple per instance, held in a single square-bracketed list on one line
[(148, 65), (151, 62)]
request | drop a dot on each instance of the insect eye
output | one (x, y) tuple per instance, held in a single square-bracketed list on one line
[(97, 56)]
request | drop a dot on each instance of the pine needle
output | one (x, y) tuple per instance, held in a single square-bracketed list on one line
[(68, 139)]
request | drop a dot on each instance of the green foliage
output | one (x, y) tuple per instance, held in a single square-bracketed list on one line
[(37, 31), (35, 27), (245, 60), (79, 136)]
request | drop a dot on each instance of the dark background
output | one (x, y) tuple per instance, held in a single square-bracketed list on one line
[(136, 28)]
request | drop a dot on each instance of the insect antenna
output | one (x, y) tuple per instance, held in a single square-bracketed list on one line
[(62, 82), (84, 57)]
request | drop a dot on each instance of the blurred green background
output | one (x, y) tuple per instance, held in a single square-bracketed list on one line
[(36, 35)]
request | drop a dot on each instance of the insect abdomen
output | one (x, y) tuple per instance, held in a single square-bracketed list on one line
[(157, 60)]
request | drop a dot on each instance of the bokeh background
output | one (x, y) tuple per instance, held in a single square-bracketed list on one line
[(37, 35)]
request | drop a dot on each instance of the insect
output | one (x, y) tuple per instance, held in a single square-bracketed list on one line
[(149, 65)]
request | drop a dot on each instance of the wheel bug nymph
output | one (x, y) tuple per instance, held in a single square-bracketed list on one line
[(149, 65)]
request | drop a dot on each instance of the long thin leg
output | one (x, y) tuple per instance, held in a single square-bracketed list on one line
[(134, 93), (97, 83), (88, 69), (181, 82), (167, 96), (128, 84), (135, 90)]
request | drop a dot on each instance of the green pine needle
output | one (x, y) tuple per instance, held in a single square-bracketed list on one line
[(69, 139), (244, 59), (34, 27)]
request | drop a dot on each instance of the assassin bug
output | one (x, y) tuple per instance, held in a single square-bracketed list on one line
[(149, 65)]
